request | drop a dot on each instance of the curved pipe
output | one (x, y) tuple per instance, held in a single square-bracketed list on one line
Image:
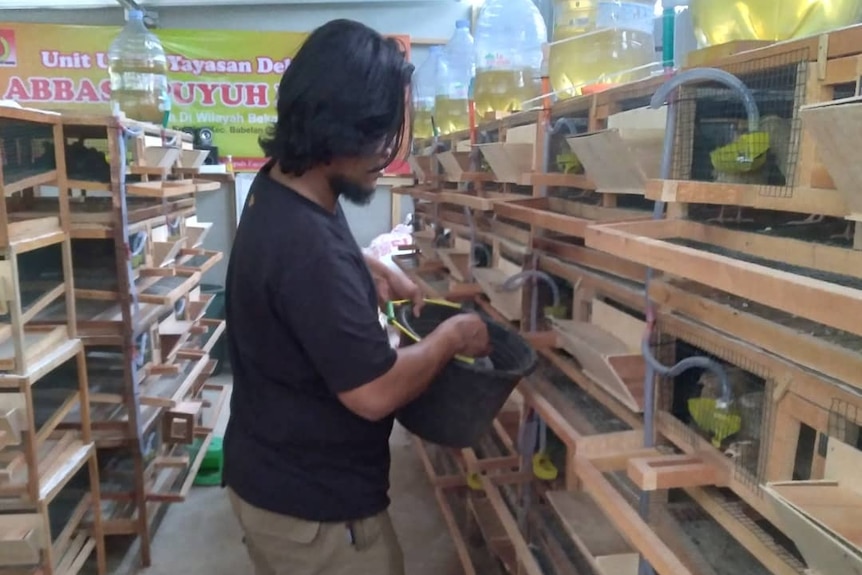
[(514, 282), (567, 124), (660, 98), (475, 153), (561, 125), (534, 431)]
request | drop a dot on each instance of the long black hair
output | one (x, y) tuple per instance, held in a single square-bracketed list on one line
[(346, 94)]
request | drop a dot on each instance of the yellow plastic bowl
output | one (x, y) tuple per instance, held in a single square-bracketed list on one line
[(544, 468), (718, 422), (746, 154), (569, 163)]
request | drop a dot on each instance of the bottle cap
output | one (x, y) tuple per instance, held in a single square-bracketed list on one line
[(462, 24), (136, 14)]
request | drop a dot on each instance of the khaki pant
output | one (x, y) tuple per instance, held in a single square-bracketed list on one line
[(284, 545)]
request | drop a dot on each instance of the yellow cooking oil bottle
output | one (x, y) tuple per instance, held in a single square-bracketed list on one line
[(509, 38), (718, 21), (454, 73), (424, 92), (138, 70), (600, 42)]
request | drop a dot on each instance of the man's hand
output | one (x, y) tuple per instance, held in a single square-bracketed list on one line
[(392, 285), (470, 333)]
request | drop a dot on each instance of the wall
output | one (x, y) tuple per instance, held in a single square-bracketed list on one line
[(419, 19)]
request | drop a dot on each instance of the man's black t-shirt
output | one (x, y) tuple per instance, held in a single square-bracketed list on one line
[(302, 327)]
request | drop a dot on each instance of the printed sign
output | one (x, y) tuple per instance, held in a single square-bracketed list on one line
[(224, 80)]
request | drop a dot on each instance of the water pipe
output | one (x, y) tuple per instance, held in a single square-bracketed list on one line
[(659, 99), (664, 96), (516, 281), (534, 430), (474, 243)]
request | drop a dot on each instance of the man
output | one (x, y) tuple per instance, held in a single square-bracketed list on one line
[(315, 380)]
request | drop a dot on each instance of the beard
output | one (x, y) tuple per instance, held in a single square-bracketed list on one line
[(354, 193)]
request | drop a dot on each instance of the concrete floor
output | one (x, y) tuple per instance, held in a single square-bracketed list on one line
[(201, 536)]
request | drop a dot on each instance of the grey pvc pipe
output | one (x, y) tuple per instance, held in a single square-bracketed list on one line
[(661, 97)]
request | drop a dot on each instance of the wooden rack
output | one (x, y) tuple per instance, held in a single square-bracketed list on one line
[(43, 369), (137, 259), (769, 294)]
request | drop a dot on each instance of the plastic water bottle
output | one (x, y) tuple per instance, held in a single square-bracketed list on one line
[(454, 74), (607, 42), (509, 38), (424, 92), (718, 21), (138, 69)]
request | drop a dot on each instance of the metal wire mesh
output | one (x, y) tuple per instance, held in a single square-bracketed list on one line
[(26, 148), (86, 150), (738, 512), (746, 447), (845, 422), (561, 158), (711, 119)]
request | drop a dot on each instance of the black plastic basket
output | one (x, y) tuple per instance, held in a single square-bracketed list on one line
[(461, 403)]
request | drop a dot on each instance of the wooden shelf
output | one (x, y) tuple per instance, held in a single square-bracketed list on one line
[(750, 296), (59, 460), (37, 342), (190, 261), (607, 360), (28, 235), (166, 289), (29, 180), (563, 216), (806, 200), (824, 301), (606, 552), (812, 345), (196, 233), (162, 188), (25, 537), (204, 335), (483, 202)]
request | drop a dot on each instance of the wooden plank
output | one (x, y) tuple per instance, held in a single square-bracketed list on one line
[(673, 472), (806, 200), (811, 298)]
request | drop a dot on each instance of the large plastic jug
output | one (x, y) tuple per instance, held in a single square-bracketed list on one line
[(719, 21), (606, 42), (424, 92), (138, 70), (509, 38), (454, 74)]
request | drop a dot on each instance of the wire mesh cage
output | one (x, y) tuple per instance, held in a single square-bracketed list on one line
[(845, 422), (27, 149), (87, 153), (715, 138), (744, 431)]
